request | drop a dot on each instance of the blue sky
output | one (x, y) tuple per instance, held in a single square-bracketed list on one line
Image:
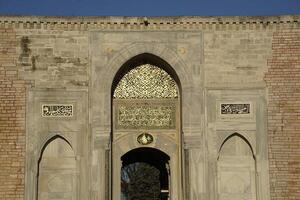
[(149, 7)]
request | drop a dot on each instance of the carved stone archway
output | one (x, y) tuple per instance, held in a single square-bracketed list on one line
[(146, 113)]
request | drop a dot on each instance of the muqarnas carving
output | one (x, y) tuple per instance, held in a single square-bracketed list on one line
[(235, 108), (57, 110)]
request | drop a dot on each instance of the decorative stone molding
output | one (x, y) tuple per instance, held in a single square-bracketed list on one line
[(92, 23)]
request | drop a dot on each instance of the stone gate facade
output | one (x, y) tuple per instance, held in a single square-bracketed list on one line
[(231, 131)]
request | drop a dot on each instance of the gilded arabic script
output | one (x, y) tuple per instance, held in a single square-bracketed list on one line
[(146, 116)]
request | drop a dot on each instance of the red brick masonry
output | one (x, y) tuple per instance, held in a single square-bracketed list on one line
[(283, 82), (12, 119)]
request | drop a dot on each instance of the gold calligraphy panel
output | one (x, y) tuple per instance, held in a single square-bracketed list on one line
[(146, 115)]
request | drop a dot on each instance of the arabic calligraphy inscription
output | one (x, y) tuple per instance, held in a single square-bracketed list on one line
[(57, 110), (235, 108), (146, 116)]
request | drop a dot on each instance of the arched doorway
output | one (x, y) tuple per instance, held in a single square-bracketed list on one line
[(146, 123), (145, 174)]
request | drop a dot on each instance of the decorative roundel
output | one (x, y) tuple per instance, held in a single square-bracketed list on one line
[(145, 138)]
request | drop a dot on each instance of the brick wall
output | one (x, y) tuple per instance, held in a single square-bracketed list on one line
[(48, 56), (283, 82), (12, 119)]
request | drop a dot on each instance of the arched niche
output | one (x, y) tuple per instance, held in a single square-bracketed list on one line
[(236, 168), (56, 178), (146, 111)]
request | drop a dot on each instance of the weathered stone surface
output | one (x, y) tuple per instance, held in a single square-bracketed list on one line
[(214, 61)]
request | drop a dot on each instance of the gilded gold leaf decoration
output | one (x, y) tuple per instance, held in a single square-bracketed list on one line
[(145, 138), (146, 82), (146, 116)]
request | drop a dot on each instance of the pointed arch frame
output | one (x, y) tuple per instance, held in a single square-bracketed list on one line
[(235, 134), (141, 59), (41, 152), (131, 63)]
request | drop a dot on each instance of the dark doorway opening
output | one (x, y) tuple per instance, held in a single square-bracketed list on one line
[(145, 175)]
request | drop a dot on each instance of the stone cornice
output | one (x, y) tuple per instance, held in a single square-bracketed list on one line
[(148, 23)]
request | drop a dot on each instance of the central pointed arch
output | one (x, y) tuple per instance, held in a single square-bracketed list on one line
[(146, 113), (146, 80)]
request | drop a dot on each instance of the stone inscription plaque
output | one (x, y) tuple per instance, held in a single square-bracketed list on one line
[(148, 116), (57, 110), (235, 108)]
